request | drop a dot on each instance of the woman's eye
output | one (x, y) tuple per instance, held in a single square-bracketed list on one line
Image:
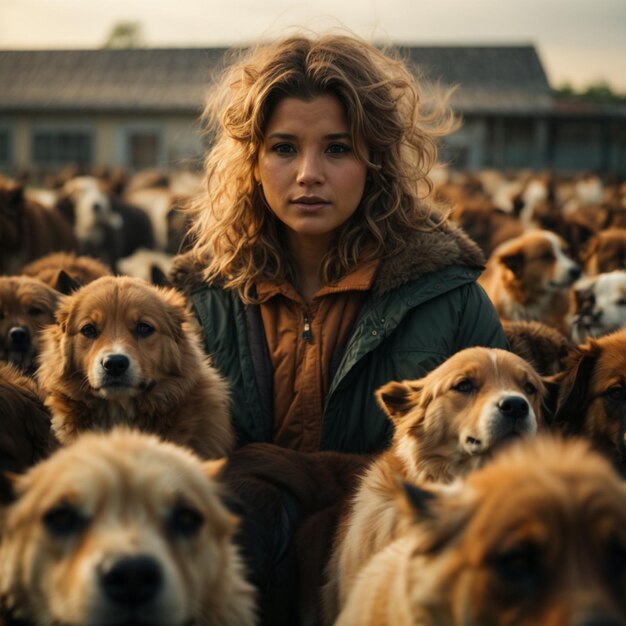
[(338, 148), (283, 148)]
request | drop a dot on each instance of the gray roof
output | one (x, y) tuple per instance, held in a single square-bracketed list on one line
[(491, 79)]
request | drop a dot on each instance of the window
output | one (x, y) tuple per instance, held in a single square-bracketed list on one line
[(55, 148), (143, 149)]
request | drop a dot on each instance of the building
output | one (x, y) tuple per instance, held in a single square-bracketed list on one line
[(140, 108)]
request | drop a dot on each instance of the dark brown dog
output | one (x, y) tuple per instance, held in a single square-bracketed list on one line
[(81, 269), (27, 305), (29, 230), (25, 435), (605, 252), (591, 398)]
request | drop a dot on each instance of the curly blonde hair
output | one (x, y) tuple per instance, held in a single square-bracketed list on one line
[(395, 136)]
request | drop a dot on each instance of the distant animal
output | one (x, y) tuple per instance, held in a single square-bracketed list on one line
[(447, 424), (597, 305), (543, 346), (28, 230), (27, 305), (605, 252), (25, 434), (81, 269), (116, 529), (591, 397), (534, 537), (528, 278), (124, 352)]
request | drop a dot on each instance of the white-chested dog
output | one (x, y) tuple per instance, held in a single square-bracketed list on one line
[(528, 278), (446, 425), (117, 529)]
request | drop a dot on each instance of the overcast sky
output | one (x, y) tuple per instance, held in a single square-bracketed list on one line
[(579, 41)]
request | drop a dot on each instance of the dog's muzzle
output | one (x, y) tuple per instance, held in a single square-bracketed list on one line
[(19, 339), (130, 581)]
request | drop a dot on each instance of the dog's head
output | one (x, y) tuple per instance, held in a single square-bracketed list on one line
[(598, 305), (118, 337), (26, 306), (537, 261), (459, 413), (118, 529), (606, 252), (537, 536), (592, 395)]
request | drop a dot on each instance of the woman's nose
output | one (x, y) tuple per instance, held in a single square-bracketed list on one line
[(310, 168)]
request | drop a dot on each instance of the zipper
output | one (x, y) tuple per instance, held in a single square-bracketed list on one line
[(306, 329)]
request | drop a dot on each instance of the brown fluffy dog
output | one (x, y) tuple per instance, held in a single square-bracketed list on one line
[(28, 230), (592, 396), (605, 252), (125, 352), (537, 537), (26, 306), (25, 435), (446, 425), (117, 529), (81, 269), (528, 278)]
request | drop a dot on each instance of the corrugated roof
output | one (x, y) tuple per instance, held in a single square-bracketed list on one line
[(491, 79)]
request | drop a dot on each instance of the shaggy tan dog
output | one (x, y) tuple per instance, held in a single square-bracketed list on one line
[(537, 537), (125, 352), (117, 529), (446, 425)]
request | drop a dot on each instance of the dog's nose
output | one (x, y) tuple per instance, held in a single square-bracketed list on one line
[(575, 272), (115, 364), (513, 407), (131, 580), (19, 336)]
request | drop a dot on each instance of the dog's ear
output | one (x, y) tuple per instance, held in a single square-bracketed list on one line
[(398, 398), (573, 388), (157, 276), (514, 262), (213, 468), (7, 488), (64, 283)]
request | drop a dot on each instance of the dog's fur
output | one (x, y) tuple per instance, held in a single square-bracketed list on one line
[(81, 269), (446, 425), (28, 230), (27, 305), (289, 502), (528, 278), (591, 398), (121, 528), (597, 305), (25, 434), (605, 252), (544, 347), (125, 352), (537, 537)]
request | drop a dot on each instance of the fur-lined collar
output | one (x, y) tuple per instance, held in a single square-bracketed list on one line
[(424, 253)]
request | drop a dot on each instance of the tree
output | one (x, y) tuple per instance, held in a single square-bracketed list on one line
[(125, 35)]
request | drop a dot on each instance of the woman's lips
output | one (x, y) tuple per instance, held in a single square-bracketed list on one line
[(309, 203)]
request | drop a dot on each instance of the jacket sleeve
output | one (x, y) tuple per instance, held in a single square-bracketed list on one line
[(479, 324)]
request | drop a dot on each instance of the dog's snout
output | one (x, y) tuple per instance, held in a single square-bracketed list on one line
[(131, 580), (575, 272), (115, 364), (513, 407), (19, 336)]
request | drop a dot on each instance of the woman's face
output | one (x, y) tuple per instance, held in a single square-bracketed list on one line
[(309, 172)]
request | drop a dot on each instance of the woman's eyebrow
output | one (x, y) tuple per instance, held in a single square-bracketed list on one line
[(293, 137)]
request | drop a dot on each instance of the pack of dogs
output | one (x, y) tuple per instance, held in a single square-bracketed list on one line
[(125, 499)]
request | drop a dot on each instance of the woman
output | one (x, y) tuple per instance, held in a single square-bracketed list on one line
[(319, 271)]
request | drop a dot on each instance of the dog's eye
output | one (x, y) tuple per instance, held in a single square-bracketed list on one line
[(185, 521), (465, 386), (621, 302), (143, 329), (35, 311), (89, 331), (519, 565), (547, 256), (530, 389), (617, 393), (64, 520)]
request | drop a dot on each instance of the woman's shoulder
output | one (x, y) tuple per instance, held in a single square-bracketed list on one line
[(427, 251)]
